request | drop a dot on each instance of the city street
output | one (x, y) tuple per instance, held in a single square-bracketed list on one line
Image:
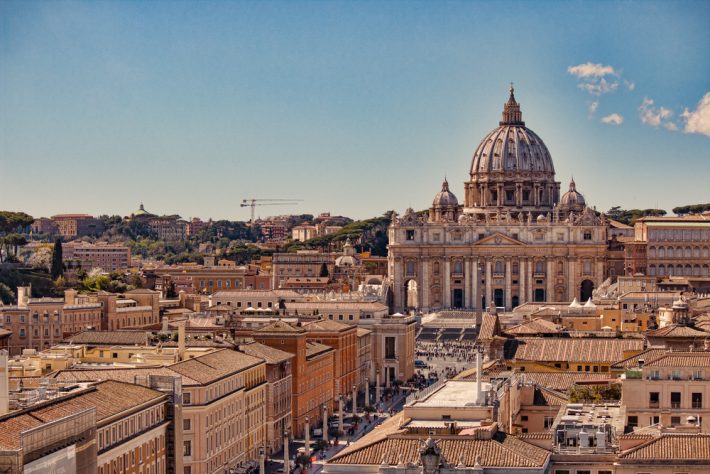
[(396, 404)]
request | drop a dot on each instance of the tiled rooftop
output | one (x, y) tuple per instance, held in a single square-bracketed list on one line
[(672, 447), (503, 451), (269, 354), (552, 349)]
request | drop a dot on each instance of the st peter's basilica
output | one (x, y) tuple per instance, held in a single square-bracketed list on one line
[(512, 240)]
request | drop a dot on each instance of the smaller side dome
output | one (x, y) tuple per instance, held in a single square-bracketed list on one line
[(445, 198), (572, 200)]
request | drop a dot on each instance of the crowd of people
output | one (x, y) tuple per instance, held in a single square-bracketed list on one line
[(460, 354)]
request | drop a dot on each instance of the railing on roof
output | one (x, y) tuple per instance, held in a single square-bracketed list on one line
[(421, 394)]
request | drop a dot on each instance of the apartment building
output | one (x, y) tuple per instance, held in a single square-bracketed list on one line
[(104, 428), (343, 339), (77, 225), (279, 387), (312, 370), (135, 308), (670, 246), (108, 257), (223, 406), (670, 388), (39, 323)]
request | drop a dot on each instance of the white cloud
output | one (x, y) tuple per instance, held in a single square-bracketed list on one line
[(593, 107), (590, 70), (656, 116), (597, 86), (630, 85), (613, 119), (698, 120), (596, 79)]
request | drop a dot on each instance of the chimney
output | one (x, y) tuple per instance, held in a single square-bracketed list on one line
[(4, 384), (181, 342), (24, 293), (70, 296)]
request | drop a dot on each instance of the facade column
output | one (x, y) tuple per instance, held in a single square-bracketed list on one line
[(508, 286), (572, 272), (550, 279), (400, 295), (354, 400), (522, 290), (378, 395), (340, 413), (287, 461), (325, 423), (426, 285), (530, 278), (476, 280), (367, 392), (308, 437), (447, 282), (467, 282), (489, 290)]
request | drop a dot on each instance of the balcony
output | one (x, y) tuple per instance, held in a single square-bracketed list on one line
[(675, 404), (697, 404), (654, 405)]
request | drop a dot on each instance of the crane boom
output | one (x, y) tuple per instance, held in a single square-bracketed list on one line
[(253, 202)]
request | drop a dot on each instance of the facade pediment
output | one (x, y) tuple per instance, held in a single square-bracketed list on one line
[(498, 239)]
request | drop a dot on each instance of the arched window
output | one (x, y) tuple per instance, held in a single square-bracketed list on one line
[(661, 270), (652, 252), (696, 252), (670, 252), (696, 270), (706, 252), (661, 252), (687, 253), (436, 267), (652, 270), (706, 270)]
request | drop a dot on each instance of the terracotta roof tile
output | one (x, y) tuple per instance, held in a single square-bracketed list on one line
[(503, 451), (269, 354), (558, 349), (536, 326), (672, 447)]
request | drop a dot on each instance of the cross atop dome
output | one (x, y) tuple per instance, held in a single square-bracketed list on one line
[(511, 110)]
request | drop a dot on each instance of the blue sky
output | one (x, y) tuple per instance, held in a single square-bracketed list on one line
[(354, 107)]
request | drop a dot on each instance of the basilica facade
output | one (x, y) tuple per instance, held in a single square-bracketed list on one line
[(514, 239)]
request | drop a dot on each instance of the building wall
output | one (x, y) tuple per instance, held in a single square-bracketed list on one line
[(134, 443), (636, 396), (224, 421), (521, 263)]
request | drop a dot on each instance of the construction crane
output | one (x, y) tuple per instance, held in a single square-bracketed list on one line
[(252, 203)]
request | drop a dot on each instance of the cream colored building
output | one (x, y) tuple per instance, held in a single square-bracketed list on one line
[(671, 389), (513, 240), (223, 406)]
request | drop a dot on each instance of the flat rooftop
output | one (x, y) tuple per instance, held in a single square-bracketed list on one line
[(454, 393)]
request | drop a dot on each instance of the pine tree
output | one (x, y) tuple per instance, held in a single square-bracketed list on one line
[(57, 269)]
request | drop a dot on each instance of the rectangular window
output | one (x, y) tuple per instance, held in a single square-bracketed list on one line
[(186, 398), (675, 420), (410, 234), (633, 421), (675, 399), (654, 399), (186, 424), (187, 448), (549, 420), (697, 400), (389, 347), (587, 236)]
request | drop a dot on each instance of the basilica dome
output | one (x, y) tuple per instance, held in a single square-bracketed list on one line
[(445, 198), (511, 168), (572, 200)]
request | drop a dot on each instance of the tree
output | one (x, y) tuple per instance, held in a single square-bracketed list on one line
[(324, 271), (6, 294), (57, 268)]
